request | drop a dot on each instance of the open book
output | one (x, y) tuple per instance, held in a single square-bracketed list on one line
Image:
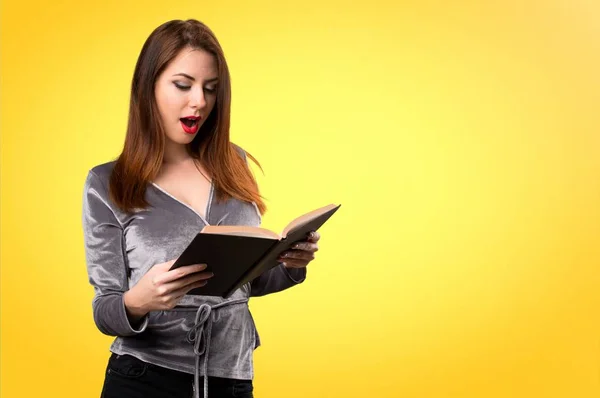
[(238, 254)]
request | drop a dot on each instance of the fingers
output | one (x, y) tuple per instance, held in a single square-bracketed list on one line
[(314, 237), (297, 255), (182, 291), (165, 287), (177, 273), (292, 263), (310, 244), (197, 276), (165, 266), (169, 287), (302, 252), (307, 246), (168, 294)]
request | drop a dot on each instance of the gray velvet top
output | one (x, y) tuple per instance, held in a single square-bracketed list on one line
[(202, 335)]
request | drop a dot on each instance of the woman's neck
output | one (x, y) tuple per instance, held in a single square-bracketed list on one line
[(175, 153)]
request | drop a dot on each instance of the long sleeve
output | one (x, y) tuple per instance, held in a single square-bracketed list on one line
[(106, 261), (277, 279)]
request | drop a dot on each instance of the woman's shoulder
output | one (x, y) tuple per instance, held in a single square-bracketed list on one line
[(239, 150), (103, 170), (100, 174)]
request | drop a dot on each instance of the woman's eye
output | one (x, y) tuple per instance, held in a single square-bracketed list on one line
[(210, 89), (181, 87)]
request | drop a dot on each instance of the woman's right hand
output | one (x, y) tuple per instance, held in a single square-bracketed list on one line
[(161, 288)]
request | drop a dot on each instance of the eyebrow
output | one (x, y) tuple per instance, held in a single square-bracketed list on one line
[(192, 79)]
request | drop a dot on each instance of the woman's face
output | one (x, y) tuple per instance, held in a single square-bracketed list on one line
[(186, 93)]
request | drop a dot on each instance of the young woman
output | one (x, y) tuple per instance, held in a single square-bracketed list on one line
[(178, 172)]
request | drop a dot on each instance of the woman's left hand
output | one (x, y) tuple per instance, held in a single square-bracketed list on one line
[(301, 253)]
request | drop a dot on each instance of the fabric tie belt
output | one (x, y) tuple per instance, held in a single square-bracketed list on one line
[(199, 335)]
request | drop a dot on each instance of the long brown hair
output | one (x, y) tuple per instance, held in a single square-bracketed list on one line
[(142, 155)]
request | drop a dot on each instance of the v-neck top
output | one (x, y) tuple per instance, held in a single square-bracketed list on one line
[(121, 247), (208, 203)]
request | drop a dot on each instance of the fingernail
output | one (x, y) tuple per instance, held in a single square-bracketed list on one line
[(201, 266)]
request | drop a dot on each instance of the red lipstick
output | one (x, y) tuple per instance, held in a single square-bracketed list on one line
[(190, 124)]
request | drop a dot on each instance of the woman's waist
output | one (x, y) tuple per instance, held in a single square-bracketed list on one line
[(171, 333)]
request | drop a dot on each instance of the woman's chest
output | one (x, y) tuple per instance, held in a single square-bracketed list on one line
[(190, 189), (162, 231)]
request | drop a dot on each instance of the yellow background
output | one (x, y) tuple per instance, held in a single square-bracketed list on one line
[(462, 139)]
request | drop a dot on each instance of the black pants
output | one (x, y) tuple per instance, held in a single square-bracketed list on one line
[(128, 377)]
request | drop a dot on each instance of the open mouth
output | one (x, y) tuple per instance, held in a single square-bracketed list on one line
[(189, 122), (189, 125)]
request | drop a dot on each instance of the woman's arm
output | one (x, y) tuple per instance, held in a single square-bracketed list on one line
[(106, 263), (291, 269), (277, 279)]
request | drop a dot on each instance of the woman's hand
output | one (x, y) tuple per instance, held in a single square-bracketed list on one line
[(301, 253), (161, 289)]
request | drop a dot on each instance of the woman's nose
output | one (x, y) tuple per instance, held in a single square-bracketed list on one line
[(197, 99)]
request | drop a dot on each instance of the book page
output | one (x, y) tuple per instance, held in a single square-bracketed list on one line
[(303, 219), (240, 230)]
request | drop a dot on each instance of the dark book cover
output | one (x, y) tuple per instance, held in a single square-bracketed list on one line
[(235, 260)]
